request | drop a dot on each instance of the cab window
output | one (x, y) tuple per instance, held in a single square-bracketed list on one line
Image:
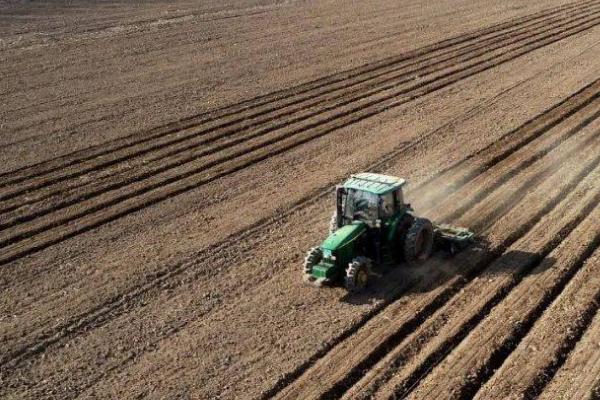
[(360, 205), (387, 205), (399, 199)]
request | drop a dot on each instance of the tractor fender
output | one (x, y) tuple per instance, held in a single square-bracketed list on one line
[(396, 224)]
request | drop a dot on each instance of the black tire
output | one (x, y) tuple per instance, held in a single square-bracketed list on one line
[(333, 226), (400, 238), (357, 274), (454, 249), (418, 242), (313, 257)]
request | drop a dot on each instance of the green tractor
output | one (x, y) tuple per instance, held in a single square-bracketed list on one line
[(372, 225)]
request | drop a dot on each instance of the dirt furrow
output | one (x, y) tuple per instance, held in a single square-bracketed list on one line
[(475, 358), (554, 118), (578, 377), (160, 291), (247, 128), (518, 160), (115, 305), (485, 213), (95, 185), (440, 185), (176, 185), (406, 365), (249, 108), (97, 316), (535, 360), (390, 327), (433, 279)]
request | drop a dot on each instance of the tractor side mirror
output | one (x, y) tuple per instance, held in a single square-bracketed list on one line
[(340, 189), (340, 194)]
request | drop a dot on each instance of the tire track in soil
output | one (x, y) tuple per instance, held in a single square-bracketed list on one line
[(122, 301), (443, 184), (247, 106), (475, 209), (418, 69), (71, 197), (115, 368), (248, 129), (19, 202), (578, 377), (500, 288), (32, 238), (478, 213), (321, 382), (534, 362), (474, 381), (474, 359)]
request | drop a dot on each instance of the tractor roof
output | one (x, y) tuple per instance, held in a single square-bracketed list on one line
[(374, 183)]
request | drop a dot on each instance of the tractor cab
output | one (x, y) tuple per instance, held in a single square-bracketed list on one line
[(370, 198)]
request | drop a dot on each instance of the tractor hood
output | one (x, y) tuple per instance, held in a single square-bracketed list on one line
[(343, 236)]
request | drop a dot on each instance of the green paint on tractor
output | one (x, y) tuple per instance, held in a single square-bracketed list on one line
[(343, 236), (372, 225)]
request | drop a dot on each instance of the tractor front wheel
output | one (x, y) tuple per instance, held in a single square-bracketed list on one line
[(357, 274), (313, 257), (418, 242)]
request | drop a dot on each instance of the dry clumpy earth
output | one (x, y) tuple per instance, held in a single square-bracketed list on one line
[(165, 166)]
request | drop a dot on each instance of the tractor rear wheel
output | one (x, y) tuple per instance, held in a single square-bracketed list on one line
[(357, 274), (418, 242), (313, 257)]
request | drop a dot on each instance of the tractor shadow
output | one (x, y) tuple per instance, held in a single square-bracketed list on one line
[(475, 263)]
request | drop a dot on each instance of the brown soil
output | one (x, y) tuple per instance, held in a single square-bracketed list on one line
[(535, 361), (578, 376), (166, 165)]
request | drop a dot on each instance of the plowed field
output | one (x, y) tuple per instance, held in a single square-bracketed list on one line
[(166, 165)]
